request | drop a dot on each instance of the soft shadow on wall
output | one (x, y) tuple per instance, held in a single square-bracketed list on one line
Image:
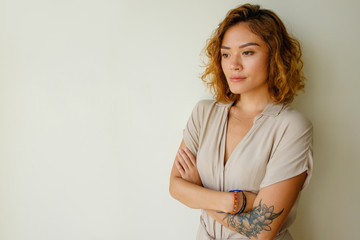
[(330, 102)]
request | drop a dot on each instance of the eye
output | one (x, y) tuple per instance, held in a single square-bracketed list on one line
[(225, 55), (248, 53)]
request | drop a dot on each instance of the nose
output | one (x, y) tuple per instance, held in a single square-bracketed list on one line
[(235, 64)]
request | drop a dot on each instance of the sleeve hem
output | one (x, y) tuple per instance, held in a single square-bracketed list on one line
[(306, 182)]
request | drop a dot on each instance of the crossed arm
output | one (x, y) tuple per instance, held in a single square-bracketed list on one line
[(264, 213)]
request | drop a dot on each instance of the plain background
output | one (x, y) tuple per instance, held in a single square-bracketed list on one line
[(94, 96)]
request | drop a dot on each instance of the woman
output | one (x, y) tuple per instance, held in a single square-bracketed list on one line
[(246, 155)]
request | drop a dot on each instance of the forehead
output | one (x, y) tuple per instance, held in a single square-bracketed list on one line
[(240, 34)]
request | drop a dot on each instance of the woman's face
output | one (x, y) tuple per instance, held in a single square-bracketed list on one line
[(244, 60)]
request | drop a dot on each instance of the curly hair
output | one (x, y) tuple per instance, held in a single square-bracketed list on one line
[(285, 75)]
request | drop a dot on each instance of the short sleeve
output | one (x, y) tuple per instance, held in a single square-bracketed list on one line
[(293, 153), (191, 133)]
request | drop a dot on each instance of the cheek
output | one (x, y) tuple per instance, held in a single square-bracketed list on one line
[(265, 67), (261, 65), (222, 63), (223, 67)]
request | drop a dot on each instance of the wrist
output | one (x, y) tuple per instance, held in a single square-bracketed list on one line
[(228, 203), (239, 202)]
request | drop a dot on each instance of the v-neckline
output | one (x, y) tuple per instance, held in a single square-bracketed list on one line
[(225, 129)]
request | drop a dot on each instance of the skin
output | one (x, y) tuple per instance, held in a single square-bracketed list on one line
[(245, 65)]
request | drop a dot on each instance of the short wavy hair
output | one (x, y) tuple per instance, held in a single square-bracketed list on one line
[(285, 75)]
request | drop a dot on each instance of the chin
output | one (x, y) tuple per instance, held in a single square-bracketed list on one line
[(237, 91)]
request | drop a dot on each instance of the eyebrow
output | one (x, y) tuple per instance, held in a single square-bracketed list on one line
[(242, 46)]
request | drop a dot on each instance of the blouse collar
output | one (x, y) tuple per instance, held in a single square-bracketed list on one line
[(271, 109)]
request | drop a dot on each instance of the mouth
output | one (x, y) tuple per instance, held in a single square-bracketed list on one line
[(237, 79)]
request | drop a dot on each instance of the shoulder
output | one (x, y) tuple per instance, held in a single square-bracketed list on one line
[(289, 115), (294, 119), (206, 105)]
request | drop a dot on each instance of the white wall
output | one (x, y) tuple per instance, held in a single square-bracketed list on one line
[(94, 96)]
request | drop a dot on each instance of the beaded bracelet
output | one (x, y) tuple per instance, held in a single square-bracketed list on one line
[(236, 202), (244, 203)]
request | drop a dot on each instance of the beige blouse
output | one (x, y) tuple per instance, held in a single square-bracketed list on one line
[(277, 147)]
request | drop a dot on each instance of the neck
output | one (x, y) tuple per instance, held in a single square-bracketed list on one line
[(253, 103)]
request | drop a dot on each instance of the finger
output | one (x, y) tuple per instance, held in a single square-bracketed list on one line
[(188, 161), (180, 169), (190, 156), (184, 160)]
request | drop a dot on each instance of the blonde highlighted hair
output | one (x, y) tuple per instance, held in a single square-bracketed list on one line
[(285, 76)]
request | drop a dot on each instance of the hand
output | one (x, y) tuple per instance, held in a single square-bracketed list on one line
[(186, 165)]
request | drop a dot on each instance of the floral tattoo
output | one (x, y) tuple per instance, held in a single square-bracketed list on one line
[(252, 223)]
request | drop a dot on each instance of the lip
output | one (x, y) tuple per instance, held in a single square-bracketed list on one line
[(237, 78)]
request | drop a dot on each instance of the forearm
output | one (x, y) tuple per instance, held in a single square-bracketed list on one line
[(269, 211), (255, 224), (231, 221), (235, 223), (198, 197)]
